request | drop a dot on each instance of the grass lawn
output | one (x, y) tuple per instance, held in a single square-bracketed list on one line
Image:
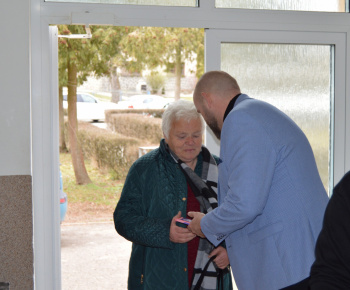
[(91, 202)]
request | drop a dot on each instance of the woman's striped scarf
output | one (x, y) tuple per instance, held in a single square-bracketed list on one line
[(205, 190)]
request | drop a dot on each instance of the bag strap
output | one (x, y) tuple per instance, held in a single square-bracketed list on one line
[(221, 279), (200, 280)]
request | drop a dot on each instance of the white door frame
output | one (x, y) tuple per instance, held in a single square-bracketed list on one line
[(44, 105), (45, 162)]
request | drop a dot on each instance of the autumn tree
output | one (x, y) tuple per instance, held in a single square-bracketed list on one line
[(77, 58), (111, 56), (110, 48), (100, 55), (156, 46), (62, 82)]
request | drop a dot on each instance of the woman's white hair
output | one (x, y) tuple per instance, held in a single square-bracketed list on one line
[(177, 110)]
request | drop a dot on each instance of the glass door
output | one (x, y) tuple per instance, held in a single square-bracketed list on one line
[(295, 74)]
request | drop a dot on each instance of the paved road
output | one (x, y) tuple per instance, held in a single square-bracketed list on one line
[(93, 256)]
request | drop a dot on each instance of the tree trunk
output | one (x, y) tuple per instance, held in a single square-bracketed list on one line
[(178, 71), (115, 85), (81, 175), (63, 145)]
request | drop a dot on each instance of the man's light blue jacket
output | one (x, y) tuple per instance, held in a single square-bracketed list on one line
[(271, 198)]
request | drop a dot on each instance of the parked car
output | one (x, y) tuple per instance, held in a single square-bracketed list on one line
[(145, 102), (63, 200), (90, 108)]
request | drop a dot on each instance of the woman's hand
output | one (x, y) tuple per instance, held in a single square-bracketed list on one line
[(178, 234), (221, 259)]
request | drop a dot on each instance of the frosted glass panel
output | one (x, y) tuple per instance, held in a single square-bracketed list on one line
[(188, 3), (298, 5), (294, 78)]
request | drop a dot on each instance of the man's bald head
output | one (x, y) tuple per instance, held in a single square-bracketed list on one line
[(218, 83), (213, 93)]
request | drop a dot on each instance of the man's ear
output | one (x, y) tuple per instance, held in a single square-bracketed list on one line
[(207, 99)]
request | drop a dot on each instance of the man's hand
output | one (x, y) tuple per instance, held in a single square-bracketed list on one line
[(178, 234), (221, 259), (195, 224)]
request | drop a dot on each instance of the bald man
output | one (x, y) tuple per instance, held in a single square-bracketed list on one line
[(271, 198)]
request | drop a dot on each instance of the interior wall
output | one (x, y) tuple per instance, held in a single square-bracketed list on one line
[(16, 226), (15, 89)]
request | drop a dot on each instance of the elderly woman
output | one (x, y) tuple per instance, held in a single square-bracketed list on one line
[(161, 187)]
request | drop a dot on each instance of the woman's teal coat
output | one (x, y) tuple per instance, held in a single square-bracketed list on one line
[(155, 191)]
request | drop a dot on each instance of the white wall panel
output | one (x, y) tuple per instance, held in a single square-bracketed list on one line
[(15, 88)]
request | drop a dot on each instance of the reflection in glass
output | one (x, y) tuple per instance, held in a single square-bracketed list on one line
[(188, 3), (297, 5), (294, 78)]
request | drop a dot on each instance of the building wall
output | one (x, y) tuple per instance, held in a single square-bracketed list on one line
[(16, 226)]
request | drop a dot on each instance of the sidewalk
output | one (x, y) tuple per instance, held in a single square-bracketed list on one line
[(93, 256)]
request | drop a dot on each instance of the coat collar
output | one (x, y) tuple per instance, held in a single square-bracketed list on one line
[(234, 102), (230, 106)]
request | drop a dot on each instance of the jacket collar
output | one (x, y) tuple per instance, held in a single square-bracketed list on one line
[(234, 102), (230, 106)]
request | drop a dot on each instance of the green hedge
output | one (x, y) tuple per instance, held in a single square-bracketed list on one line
[(143, 127), (109, 151), (116, 150), (156, 113)]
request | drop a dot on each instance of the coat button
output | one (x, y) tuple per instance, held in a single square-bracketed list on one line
[(184, 198), (185, 269)]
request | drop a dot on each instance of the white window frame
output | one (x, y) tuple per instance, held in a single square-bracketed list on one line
[(44, 105), (215, 37)]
